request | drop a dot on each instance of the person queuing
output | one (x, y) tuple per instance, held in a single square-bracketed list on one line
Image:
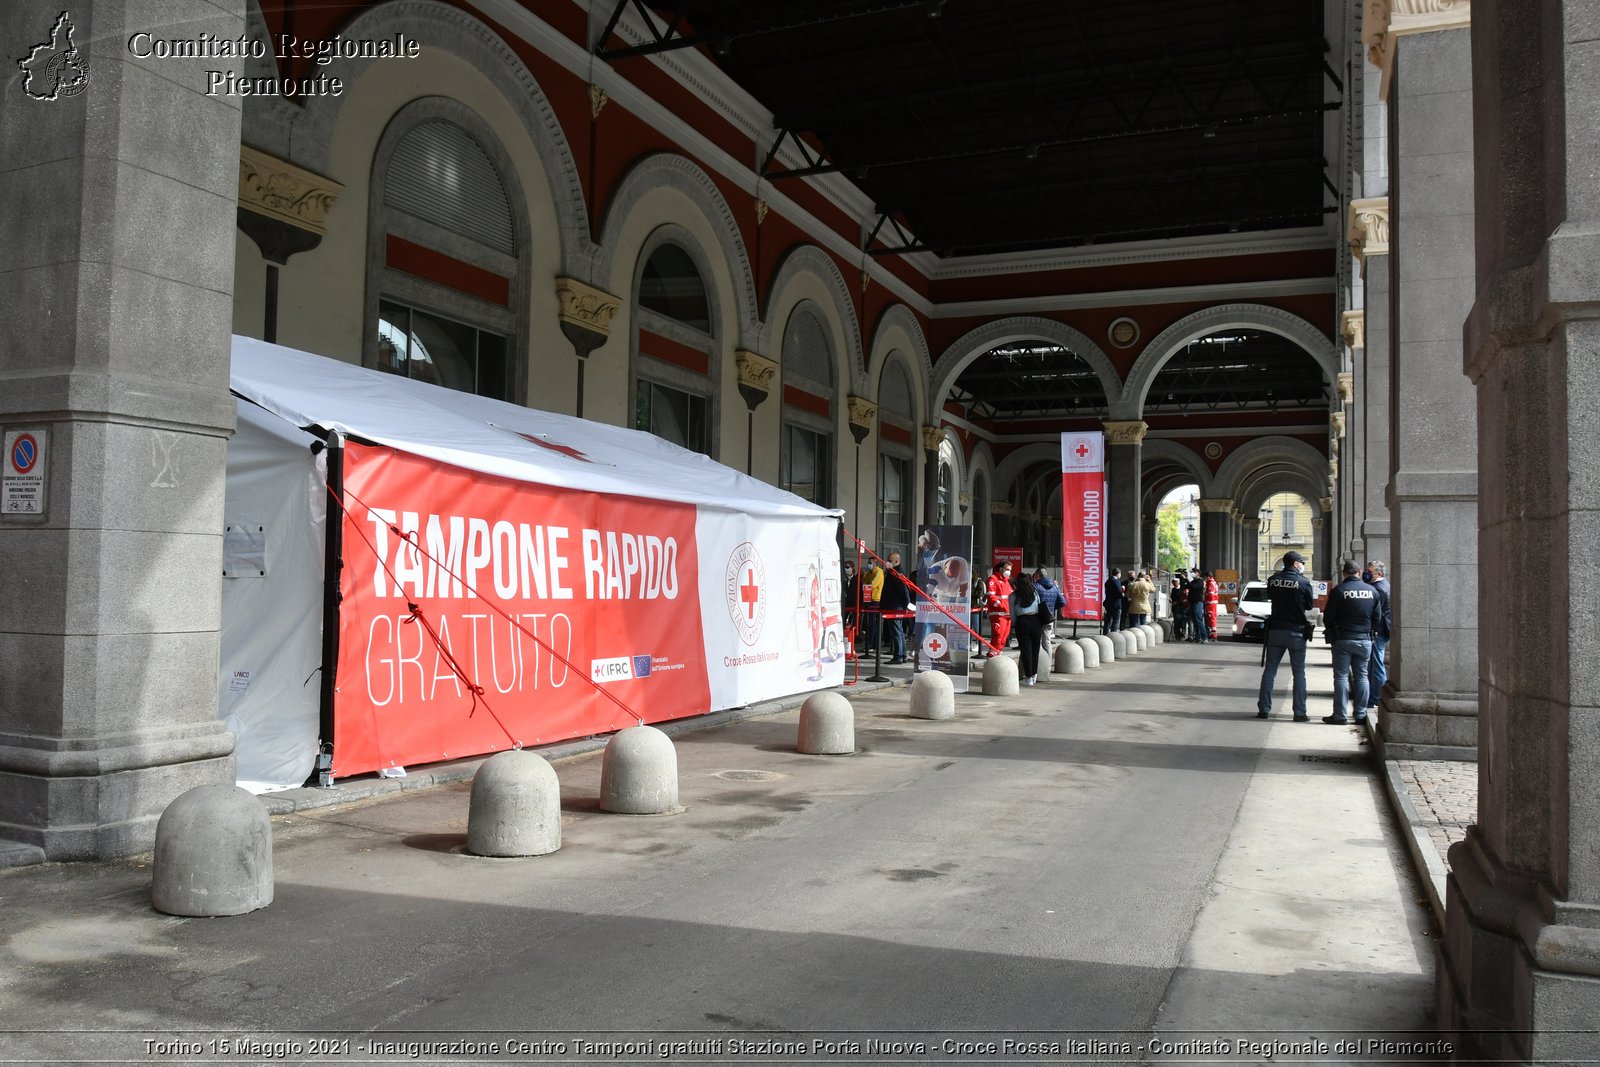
[(1353, 613), (1054, 601), (1178, 597), (1377, 671), (871, 594), (852, 591), (1140, 593), (1211, 607), (896, 597), (1114, 601), (1197, 608), (998, 603), (1026, 614), (1287, 629)]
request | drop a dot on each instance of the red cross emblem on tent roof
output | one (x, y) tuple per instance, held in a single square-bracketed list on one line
[(565, 450)]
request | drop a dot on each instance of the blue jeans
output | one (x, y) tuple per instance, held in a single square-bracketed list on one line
[(1113, 621), (897, 636), (1377, 671), (1279, 641), (1138, 618), (1197, 621), (1350, 676)]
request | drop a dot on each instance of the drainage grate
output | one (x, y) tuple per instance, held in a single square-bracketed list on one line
[(748, 776), (1326, 759)]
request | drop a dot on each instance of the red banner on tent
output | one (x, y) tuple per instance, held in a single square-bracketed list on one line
[(1083, 513), (596, 594)]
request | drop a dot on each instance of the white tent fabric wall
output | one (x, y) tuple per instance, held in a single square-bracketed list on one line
[(271, 642)]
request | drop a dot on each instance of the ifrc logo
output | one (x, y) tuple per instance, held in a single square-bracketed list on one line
[(746, 590), (616, 669)]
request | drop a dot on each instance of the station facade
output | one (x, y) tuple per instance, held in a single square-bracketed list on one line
[(497, 210)]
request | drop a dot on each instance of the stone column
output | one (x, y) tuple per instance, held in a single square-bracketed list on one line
[(1369, 226), (1321, 549), (1519, 972), (1327, 546), (1147, 541), (1124, 443), (1213, 532), (1352, 488), (932, 439), (755, 385), (114, 355), (585, 318), (1251, 570), (1430, 705)]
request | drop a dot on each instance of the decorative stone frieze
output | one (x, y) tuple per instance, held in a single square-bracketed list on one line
[(1385, 21), (863, 416), (762, 207), (280, 190), (1327, 504), (932, 438), (755, 376), (1126, 433), (597, 100), (1214, 505), (1369, 228), (1336, 420), (1345, 382), (1252, 523), (1000, 507), (1353, 328)]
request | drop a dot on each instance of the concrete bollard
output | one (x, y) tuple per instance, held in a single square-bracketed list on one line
[(515, 808), (639, 773), (1069, 658), (1000, 677), (1120, 642), (827, 726), (1107, 648), (933, 696), (1166, 630), (1045, 663), (1156, 636), (1091, 652), (1141, 639), (213, 854)]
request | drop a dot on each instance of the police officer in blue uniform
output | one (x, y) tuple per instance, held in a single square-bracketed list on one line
[(1353, 615), (1287, 630)]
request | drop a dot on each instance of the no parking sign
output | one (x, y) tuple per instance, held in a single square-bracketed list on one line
[(22, 473)]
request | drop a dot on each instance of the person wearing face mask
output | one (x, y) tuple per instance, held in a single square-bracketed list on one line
[(999, 604), (1287, 630)]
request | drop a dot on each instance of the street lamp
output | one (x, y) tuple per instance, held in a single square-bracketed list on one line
[(1264, 565), (1194, 555)]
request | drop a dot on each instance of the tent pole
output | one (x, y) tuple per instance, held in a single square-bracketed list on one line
[(332, 563)]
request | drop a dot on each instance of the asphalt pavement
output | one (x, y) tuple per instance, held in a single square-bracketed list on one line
[(1114, 867)]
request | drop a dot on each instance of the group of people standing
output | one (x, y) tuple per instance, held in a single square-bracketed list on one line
[(1356, 624), (1195, 602), (880, 591), (1130, 602), (1024, 604)]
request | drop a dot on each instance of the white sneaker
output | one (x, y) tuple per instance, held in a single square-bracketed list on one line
[(1031, 681)]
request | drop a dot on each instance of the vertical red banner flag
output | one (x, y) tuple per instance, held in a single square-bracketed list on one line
[(1083, 514)]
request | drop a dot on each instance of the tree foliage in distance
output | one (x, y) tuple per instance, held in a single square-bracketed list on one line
[(1172, 552)]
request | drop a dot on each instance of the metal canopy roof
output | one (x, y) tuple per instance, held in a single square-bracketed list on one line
[(1000, 125)]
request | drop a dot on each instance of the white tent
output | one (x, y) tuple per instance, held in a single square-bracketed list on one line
[(479, 486)]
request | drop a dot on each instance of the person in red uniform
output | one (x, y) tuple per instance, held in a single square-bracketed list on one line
[(999, 603), (1211, 606)]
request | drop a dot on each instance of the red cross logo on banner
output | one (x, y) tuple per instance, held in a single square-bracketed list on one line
[(1082, 450), (750, 593), (935, 645)]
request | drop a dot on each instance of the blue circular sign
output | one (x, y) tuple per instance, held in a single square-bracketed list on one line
[(24, 453)]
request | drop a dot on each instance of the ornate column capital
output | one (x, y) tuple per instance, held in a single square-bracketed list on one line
[(1252, 523), (280, 190), (755, 376), (586, 313), (1327, 504), (965, 500), (1336, 420), (932, 438), (1126, 433), (1353, 328), (1384, 22), (863, 414), (1345, 383), (1333, 474), (1368, 231), (1000, 507), (1214, 505)]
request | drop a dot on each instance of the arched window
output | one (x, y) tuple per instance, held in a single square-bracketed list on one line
[(896, 462), (448, 254), (806, 448), (673, 393)]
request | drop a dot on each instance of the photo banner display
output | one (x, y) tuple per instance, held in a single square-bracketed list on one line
[(672, 609), (944, 573), (1083, 514)]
